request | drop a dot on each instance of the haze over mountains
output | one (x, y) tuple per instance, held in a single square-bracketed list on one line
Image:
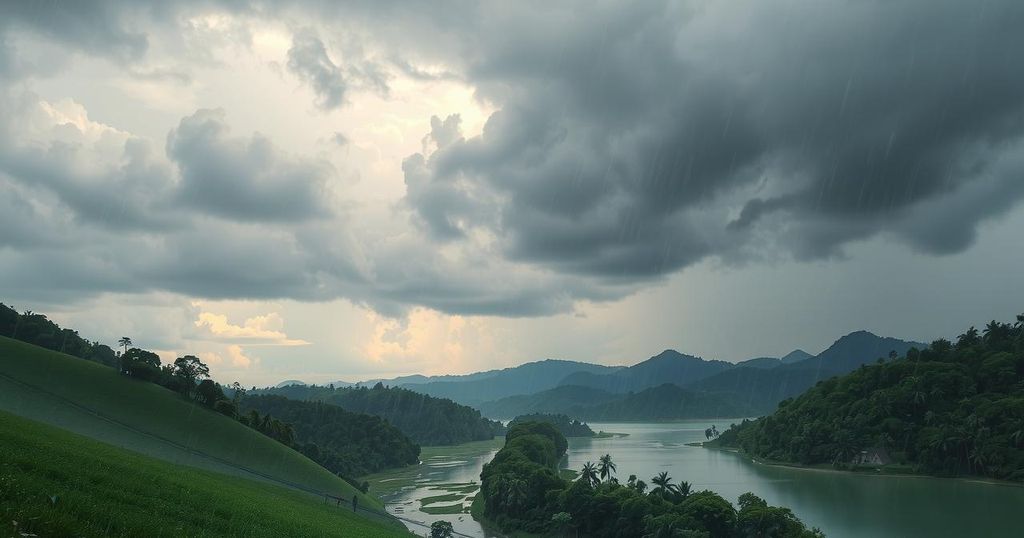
[(668, 385)]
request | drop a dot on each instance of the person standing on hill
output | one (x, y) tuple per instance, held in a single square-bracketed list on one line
[(355, 502)]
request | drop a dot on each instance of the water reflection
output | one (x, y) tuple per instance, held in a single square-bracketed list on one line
[(843, 505)]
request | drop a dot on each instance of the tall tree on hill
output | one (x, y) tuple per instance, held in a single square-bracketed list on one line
[(190, 370), (125, 342)]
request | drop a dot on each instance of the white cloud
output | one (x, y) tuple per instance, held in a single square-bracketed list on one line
[(259, 330)]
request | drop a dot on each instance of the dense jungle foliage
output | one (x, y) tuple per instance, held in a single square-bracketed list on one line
[(950, 409), (345, 443), (566, 426), (521, 491)]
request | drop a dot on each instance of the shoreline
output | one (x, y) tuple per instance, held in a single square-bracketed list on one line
[(880, 472)]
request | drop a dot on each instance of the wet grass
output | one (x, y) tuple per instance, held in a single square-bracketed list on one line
[(98, 402), (55, 483)]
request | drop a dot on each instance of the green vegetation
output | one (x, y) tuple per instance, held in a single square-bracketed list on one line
[(344, 443), (35, 329), (441, 529), (760, 390), (663, 402), (565, 425), (521, 491), (349, 444), (97, 401), (54, 483), (948, 410), (424, 419)]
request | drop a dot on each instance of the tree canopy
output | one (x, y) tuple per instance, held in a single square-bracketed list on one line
[(521, 491), (424, 419), (949, 409)]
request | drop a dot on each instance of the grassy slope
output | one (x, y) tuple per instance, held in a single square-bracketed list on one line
[(148, 419), (101, 490)]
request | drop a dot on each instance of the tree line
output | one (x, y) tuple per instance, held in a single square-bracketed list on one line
[(347, 444), (427, 420), (521, 490), (568, 427), (950, 409), (36, 329)]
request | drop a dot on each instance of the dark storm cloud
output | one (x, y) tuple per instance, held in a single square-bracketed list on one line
[(243, 179), (635, 140), (629, 141)]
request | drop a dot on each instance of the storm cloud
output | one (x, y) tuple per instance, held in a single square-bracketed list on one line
[(244, 179), (627, 142), (632, 141)]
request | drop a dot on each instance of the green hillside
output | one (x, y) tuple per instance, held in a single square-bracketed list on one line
[(55, 483), (96, 401), (948, 410)]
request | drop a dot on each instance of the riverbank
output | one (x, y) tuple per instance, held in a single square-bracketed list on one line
[(607, 435), (442, 486), (892, 470)]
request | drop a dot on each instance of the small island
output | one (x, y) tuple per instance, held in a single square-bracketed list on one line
[(568, 427)]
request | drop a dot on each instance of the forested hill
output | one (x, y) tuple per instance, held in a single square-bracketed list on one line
[(346, 443), (663, 402), (36, 329), (761, 389), (424, 419), (950, 409), (521, 492), (566, 426), (669, 366)]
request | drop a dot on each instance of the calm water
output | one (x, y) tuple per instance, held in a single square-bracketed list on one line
[(842, 505)]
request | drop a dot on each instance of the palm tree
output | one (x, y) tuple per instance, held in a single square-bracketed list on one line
[(125, 342), (640, 487), (663, 484), (606, 467), (589, 473), (995, 331), (683, 488)]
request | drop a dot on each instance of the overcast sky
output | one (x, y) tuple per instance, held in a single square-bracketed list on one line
[(341, 190)]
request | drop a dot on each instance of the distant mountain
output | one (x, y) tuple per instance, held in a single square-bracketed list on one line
[(855, 349), (771, 362), (527, 378), (762, 389), (664, 402), (551, 401), (760, 362), (796, 355), (394, 382), (669, 366), (289, 382)]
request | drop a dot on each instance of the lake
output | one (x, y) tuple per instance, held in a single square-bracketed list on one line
[(844, 505)]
